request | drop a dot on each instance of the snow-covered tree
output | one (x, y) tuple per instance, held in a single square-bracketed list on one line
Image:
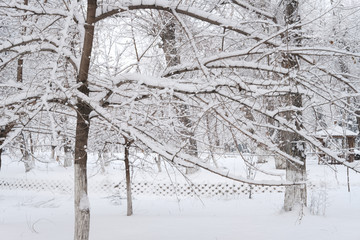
[(96, 63)]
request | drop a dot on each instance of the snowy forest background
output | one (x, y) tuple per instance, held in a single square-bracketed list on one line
[(183, 82)]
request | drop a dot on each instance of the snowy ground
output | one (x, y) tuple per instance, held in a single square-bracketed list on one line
[(333, 213)]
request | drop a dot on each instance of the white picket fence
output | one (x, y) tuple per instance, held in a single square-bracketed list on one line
[(140, 188)]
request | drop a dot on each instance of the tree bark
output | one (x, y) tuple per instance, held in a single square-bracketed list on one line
[(28, 162), (82, 208), (1, 150), (68, 155), (172, 57), (128, 178), (3, 133), (291, 142), (295, 146), (2, 139)]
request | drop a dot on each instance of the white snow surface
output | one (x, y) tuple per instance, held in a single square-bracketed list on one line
[(332, 212)]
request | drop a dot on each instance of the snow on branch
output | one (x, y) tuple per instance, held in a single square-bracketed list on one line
[(36, 10), (288, 126), (184, 86), (172, 6), (14, 134), (177, 157), (173, 154), (254, 9)]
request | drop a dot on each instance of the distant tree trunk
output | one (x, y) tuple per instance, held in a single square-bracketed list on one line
[(211, 146), (106, 155), (357, 112), (3, 134), (68, 154), (2, 140), (81, 202), (292, 143), (1, 150), (28, 162), (128, 178), (53, 152), (158, 163), (19, 76), (101, 161), (32, 149), (172, 57)]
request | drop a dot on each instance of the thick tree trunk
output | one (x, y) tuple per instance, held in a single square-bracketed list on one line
[(82, 209), (128, 178), (172, 57), (292, 143), (295, 196)]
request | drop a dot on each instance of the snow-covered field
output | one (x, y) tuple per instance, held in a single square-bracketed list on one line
[(332, 213)]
